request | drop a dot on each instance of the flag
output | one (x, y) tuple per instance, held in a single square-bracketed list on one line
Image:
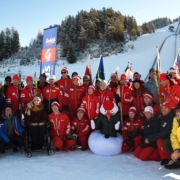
[(128, 72), (176, 64), (100, 72), (158, 64), (88, 69)]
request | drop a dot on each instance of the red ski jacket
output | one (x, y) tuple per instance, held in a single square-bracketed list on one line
[(60, 124), (103, 95), (81, 127), (12, 97), (64, 84), (91, 105), (51, 94)]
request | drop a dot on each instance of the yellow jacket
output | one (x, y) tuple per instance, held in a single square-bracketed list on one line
[(175, 134)]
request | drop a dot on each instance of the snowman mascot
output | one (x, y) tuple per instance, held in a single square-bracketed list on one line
[(106, 141)]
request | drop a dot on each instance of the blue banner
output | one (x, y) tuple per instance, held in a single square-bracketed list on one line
[(100, 72), (48, 53)]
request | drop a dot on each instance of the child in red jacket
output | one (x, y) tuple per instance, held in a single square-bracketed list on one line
[(81, 128), (130, 127), (61, 129)]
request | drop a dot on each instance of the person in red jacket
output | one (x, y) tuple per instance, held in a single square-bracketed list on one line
[(113, 83), (65, 80), (80, 127), (73, 97), (86, 82), (104, 93), (124, 95), (13, 94), (52, 93), (28, 93), (148, 101), (130, 126), (91, 104), (170, 91), (138, 97), (174, 75), (61, 129)]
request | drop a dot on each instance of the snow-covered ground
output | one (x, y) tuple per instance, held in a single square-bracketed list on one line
[(86, 165), (80, 165)]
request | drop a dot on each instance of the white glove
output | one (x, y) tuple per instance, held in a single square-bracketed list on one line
[(92, 124), (117, 125)]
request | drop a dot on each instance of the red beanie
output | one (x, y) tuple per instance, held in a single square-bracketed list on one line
[(92, 87), (29, 78), (81, 110), (64, 69), (15, 77), (133, 109), (168, 105), (148, 95), (163, 77), (123, 76), (108, 105), (55, 104)]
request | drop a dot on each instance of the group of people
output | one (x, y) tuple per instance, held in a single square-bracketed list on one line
[(149, 112)]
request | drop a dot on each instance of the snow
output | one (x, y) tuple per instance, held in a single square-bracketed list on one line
[(86, 165), (80, 165)]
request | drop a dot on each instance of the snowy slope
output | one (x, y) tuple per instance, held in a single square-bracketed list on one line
[(141, 57)]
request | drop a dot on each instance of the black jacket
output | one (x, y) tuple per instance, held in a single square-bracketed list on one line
[(107, 127), (165, 127)]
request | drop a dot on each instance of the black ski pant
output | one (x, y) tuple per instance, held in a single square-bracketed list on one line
[(37, 135)]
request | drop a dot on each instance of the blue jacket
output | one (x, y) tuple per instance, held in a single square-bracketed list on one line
[(3, 128)]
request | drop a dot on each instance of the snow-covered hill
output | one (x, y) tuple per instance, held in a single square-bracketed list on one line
[(141, 53)]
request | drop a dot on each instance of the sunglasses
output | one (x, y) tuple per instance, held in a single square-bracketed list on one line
[(86, 80), (8, 80), (63, 72)]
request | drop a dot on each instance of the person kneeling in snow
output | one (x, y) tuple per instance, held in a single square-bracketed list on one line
[(61, 129), (145, 151), (130, 128), (108, 119), (81, 128)]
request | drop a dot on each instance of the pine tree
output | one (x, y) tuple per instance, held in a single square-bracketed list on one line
[(2, 45)]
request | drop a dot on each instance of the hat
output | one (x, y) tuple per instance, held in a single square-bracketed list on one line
[(81, 110), (149, 109), (29, 78), (74, 73), (77, 78), (55, 104), (148, 95), (136, 75), (168, 105), (8, 78), (91, 87), (172, 70), (15, 77), (152, 70), (163, 77), (64, 69), (8, 106), (86, 77), (123, 76), (52, 77), (113, 75), (103, 82), (108, 105), (43, 75), (133, 109), (98, 79)]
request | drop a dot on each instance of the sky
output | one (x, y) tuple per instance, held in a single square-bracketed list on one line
[(31, 15)]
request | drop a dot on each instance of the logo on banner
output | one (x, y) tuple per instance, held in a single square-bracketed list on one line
[(50, 41), (48, 54)]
